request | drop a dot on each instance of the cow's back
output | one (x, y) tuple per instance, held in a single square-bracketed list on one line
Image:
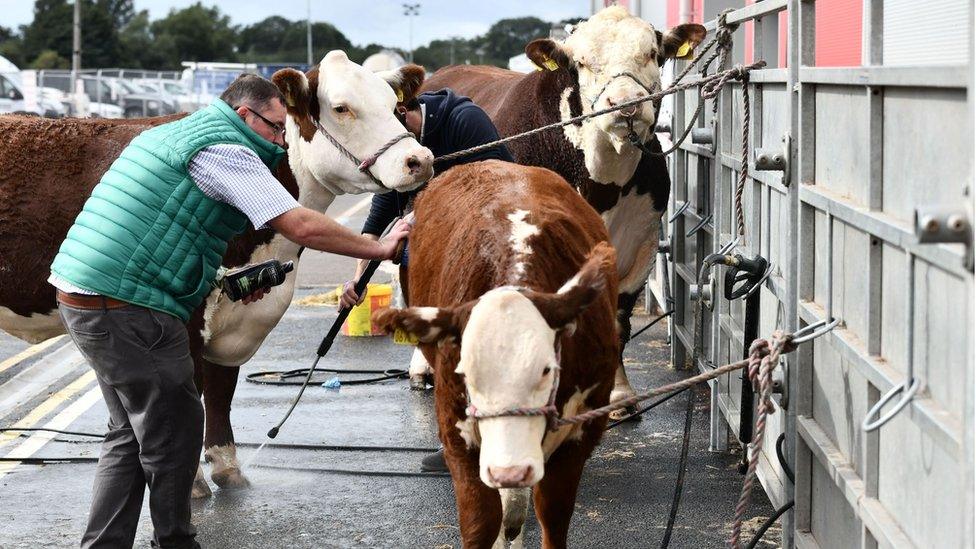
[(461, 245), (48, 169), (518, 102)]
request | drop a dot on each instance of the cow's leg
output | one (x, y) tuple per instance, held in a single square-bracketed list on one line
[(219, 383), (420, 370), (555, 495), (479, 507), (621, 385), (515, 507)]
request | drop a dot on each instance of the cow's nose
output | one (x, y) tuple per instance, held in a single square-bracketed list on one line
[(513, 476), (419, 163), (626, 112)]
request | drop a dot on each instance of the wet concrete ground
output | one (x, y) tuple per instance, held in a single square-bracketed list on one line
[(293, 502)]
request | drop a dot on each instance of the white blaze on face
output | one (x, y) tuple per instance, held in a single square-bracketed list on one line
[(518, 238), (356, 107), (609, 44), (507, 359)]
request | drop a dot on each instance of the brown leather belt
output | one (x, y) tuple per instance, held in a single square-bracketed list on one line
[(80, 301)]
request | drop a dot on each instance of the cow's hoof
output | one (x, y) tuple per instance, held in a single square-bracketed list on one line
[(617, 396), (418, 382), (200, 488), (625, 413), (230, 479)]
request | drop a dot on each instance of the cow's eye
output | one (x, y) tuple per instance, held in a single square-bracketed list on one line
[(546, 370), (340, 109)]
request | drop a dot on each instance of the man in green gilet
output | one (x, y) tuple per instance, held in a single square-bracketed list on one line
[(140, 258)]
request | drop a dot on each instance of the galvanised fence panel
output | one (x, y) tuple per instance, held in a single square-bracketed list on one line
[(861, 226)]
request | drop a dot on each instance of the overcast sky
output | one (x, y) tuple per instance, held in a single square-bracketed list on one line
[(362, 21)]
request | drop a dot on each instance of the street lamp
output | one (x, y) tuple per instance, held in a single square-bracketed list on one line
[(409, 10)]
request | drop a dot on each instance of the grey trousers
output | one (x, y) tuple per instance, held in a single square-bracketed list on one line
[(155, 431)]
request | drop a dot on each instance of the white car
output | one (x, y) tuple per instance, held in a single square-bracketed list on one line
[(12, 99)]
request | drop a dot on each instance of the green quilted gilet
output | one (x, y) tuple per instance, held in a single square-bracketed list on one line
[(147, 234)]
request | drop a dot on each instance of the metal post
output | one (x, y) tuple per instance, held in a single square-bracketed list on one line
[(308, 31), (76, 47), (410, 10)]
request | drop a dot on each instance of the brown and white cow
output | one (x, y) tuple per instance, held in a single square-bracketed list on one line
[(495, 292), (611, 58), (49, 167)]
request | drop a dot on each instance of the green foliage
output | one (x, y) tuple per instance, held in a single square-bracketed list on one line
[(49, 59), (115, 34), (195, 33), (11, 46)]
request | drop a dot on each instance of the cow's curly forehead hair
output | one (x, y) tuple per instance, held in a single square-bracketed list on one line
[(612, 35), (251, 90)]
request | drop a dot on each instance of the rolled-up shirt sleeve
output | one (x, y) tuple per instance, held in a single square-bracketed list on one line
[(235, 175)]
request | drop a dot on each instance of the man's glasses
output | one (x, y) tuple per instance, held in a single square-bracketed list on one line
[(278, 130)]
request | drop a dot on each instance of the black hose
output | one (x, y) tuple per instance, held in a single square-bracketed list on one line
[(769, 522), (679, 483), (278, 377), (651, 323), (58, 431), (647, 408), (782, 458)]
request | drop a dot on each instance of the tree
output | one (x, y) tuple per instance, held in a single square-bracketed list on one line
[(195, 33), (508, 37), (49, 59), (53, 29), (140, 49), (264, 37), (11, 46)]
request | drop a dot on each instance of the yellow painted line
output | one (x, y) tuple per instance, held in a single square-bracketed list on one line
[(55, 400), (28, 352), (61, 421), (344, 217)]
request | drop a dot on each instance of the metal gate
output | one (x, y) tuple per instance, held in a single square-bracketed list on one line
[(877, 172)]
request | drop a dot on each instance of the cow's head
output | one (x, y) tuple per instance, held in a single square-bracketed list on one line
[(508, 354), (356, 107), (615, 57)]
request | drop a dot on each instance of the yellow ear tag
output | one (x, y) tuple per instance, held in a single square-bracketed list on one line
[(399, 96), (550, 64), (685, 51), (401, 337)]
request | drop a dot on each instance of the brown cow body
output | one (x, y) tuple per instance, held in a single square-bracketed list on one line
[(62, 161), (523, 227), (611, 58), (48, 169)]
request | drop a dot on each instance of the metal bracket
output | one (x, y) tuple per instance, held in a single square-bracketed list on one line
[(704, 136), (815, 330), (674, 217), (773, 159), (945, 225), (780, 387), (699, 226), (907, 390), (705, 291), (664, 247)]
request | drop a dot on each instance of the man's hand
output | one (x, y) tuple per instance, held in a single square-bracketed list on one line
[(390, 242), (255, 296), (349, 299)]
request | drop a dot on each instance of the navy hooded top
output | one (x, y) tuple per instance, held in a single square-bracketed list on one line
[(451, 123)]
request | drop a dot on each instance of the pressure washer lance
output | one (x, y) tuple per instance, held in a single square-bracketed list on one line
[(243, 281), (326, 343)]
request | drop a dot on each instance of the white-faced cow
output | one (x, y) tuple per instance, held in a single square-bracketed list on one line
[(609, 59), (507, 299), (49, 167)]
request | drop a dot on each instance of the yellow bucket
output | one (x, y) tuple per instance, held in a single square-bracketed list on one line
[(359, 323)]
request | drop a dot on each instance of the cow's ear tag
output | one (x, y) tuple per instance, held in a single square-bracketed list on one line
[(399, 93), (550, 64), (401, 337), (685, 51)]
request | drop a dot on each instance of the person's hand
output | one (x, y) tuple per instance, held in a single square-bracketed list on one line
[(256, 296), (349, 299), (390, 242)]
